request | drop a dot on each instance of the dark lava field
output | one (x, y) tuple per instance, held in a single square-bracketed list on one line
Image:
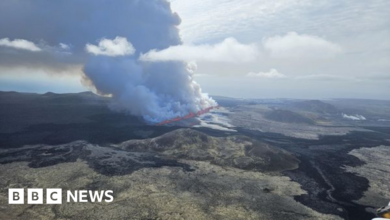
[(51, 129)]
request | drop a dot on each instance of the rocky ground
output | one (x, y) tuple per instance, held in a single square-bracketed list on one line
[(255, 118), (208, 192), (251, 159), (234, 150), (376, 169)]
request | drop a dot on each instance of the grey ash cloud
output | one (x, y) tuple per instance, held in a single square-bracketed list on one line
[(107, 38)]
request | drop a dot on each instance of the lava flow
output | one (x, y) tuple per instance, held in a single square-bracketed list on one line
[(190, 115)]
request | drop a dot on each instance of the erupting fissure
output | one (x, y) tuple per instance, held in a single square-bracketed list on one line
[(190, 115)]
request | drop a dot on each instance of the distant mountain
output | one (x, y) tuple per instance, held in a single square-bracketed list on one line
[(316, 106), (229, 102), (50, 98), (287, 116)]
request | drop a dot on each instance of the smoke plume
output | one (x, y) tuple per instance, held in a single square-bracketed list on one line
[(156, 91), (108, 37)]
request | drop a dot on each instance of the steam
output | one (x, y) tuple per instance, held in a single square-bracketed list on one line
[(106, 38), (157, 91), (354, 117)]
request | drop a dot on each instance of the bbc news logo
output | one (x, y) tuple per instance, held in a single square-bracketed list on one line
[(54, 196)]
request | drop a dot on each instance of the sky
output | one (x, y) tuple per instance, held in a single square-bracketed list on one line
[(245, 49)]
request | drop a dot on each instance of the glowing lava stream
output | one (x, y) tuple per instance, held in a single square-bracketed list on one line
[(190, 115)]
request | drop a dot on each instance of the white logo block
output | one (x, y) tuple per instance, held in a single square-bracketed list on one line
[(53, 196), (15, 196), (35, 196)]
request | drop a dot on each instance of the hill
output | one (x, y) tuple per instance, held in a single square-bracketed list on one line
[(235, 151), (316, 106), (287, 116)]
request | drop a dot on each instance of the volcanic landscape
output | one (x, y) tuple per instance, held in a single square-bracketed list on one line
[(246, 159)]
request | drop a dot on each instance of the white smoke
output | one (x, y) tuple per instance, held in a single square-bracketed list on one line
[(107, 38), (354, 117), (156, 91)]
